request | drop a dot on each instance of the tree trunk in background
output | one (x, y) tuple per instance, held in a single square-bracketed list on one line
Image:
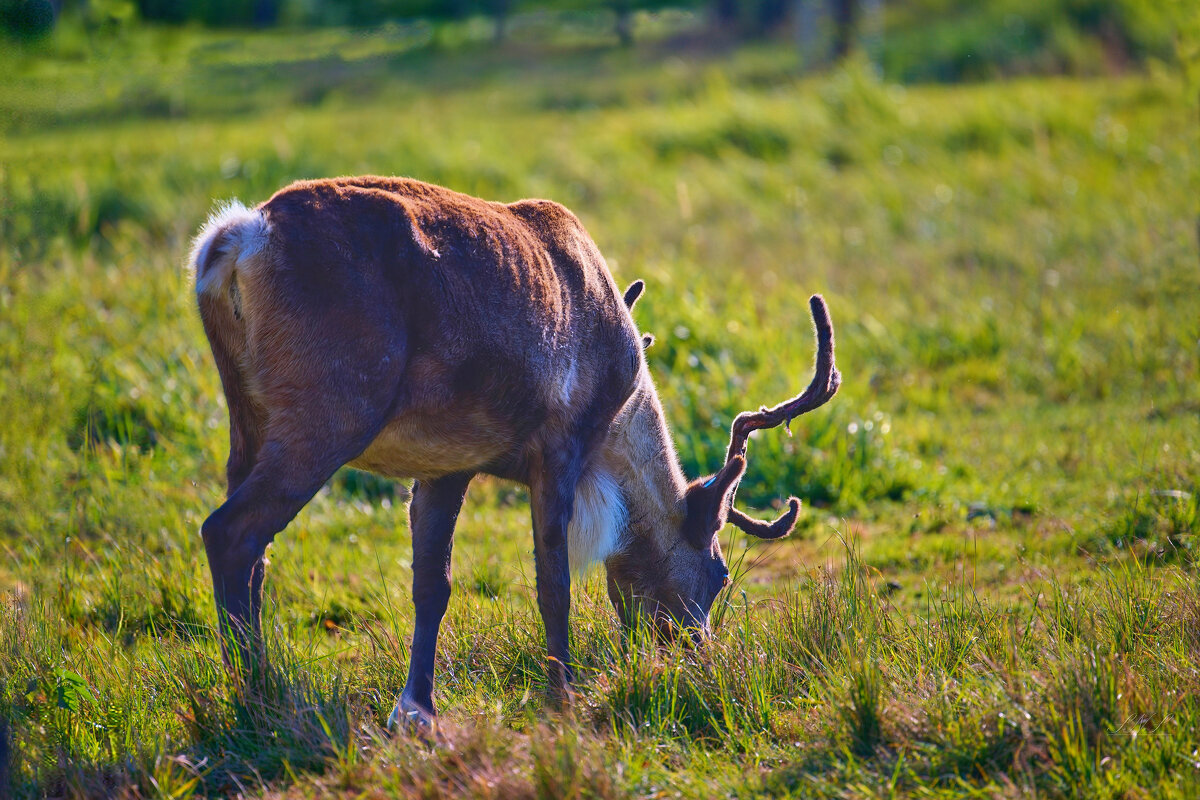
[(872, 30), (499, 9), (266, 13), (845, 25), (624, 22), (806, 18), (771, 14), (725, 13)]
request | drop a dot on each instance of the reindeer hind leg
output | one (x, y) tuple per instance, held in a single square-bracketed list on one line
[(287, 471)]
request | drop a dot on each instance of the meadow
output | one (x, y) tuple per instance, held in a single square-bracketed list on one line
[(992, 591)]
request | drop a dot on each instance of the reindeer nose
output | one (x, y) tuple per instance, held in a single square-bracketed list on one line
[(725, 580)]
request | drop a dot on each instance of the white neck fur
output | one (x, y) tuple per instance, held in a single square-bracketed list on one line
[(598, 520)]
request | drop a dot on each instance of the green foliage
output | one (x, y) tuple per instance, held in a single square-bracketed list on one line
[(862, 707), (26, 19), (171, 612), (1163, 523), (213, 12), (721, 137), (282, 724), (948, 40), (365, 486), (914, 40)]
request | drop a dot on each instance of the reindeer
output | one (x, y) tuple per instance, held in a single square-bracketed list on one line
[(409, 330)]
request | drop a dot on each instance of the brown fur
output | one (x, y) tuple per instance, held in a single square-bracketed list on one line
[(418, 332)]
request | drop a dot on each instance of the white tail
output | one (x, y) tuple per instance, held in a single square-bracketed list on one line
[(232, 235)]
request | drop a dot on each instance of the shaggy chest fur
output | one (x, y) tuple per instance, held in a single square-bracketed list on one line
[(597, 521)]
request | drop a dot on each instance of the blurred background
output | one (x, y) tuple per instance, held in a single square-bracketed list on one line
[(907, 39)]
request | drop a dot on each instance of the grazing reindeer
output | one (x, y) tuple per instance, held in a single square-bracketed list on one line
[(416, 332)]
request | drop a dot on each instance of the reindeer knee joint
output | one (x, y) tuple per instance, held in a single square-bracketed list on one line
[(212, 531), (227, 541)]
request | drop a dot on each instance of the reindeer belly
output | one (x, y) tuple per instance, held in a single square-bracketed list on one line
[(429, 446)]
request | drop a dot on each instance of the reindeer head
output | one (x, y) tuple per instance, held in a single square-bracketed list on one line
[(675, 583)]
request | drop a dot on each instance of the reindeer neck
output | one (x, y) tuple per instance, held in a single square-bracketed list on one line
[(640, 457)]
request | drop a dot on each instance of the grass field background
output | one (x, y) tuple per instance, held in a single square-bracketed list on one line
[(992, 591)]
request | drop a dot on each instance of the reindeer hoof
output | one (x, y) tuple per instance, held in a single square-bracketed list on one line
[(410, 718)]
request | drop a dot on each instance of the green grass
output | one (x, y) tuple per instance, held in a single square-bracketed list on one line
[(993, 588)]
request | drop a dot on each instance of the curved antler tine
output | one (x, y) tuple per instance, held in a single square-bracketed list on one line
[(767, 530), (824, 385)]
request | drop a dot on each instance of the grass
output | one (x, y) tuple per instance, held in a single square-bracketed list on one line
[(993, 589)]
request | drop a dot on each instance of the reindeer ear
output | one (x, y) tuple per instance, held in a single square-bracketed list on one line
[(708, 501), (634, 292)]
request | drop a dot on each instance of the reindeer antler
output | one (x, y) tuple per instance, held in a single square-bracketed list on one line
[(824, 385)]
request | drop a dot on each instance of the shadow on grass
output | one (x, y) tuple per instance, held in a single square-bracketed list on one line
[(287, 721), (281, 724)]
